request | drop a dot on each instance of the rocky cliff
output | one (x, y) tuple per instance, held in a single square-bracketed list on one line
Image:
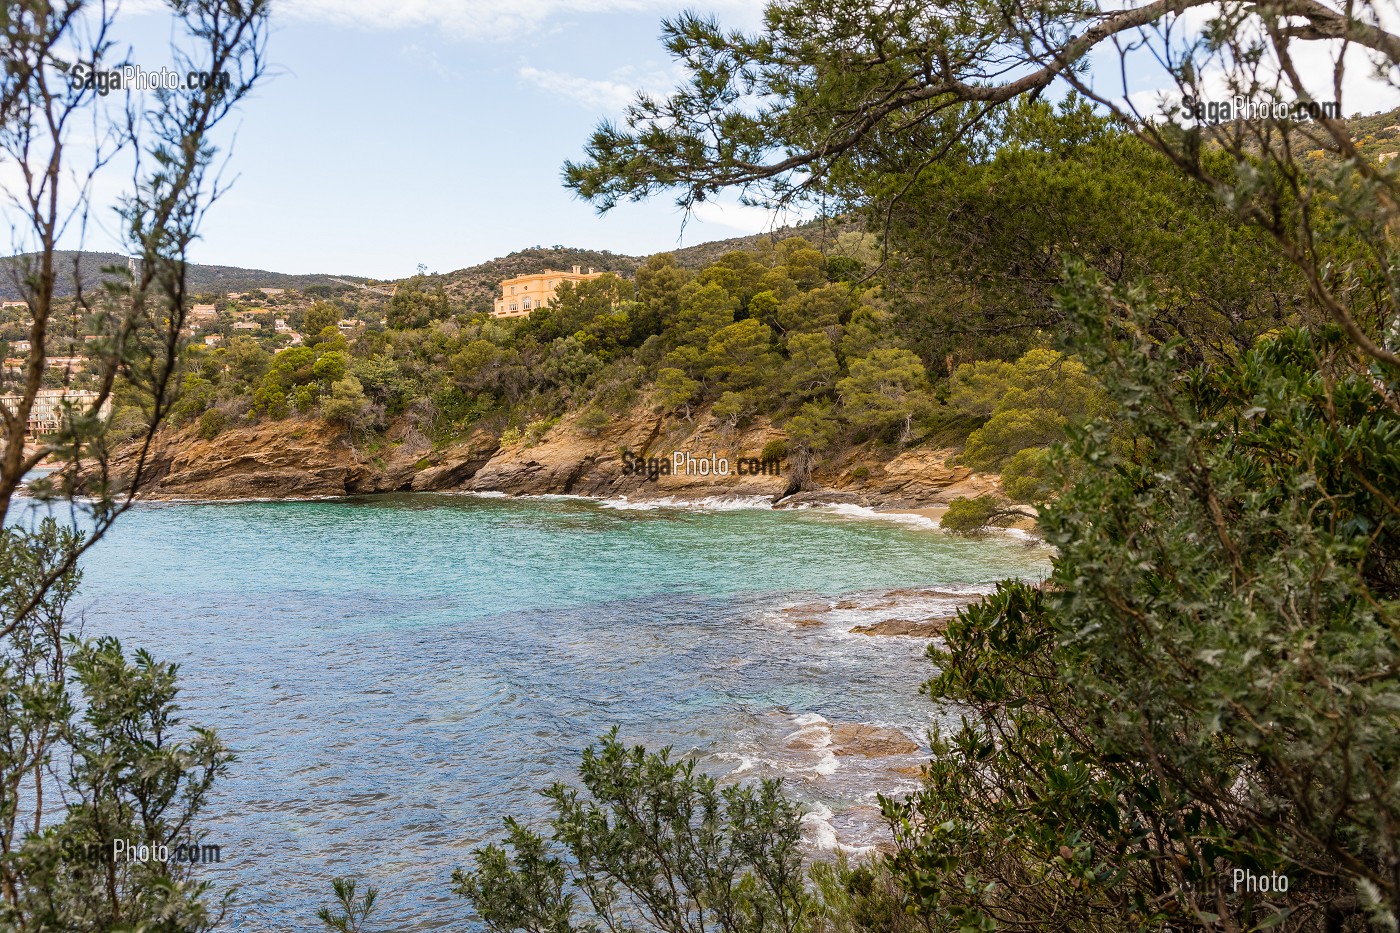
[(642, 455)]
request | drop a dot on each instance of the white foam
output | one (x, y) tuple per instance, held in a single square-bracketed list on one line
[(822, 834), (865, 513), (746, 762), (703, 504)]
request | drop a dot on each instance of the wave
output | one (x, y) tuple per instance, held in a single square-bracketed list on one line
[(820, 832), (865, 513), (703, 504)]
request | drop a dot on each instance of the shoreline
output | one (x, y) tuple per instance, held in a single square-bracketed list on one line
[(926, 518)]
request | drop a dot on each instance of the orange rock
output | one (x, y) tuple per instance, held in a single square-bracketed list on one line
[(870, 741)]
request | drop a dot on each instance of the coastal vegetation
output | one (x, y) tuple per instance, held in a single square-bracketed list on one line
[(1181, 344), (844, 340), (1193, 723), (93, 753)]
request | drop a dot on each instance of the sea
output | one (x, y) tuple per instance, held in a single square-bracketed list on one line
[(397, 674)]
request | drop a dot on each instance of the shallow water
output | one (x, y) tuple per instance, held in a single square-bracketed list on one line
[(397, 673)]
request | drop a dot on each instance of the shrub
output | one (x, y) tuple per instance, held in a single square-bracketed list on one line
[(1009, 431), (646, 844), (975, 516), (592, 421), (211, 423), (1026, 476), (1027, 403)]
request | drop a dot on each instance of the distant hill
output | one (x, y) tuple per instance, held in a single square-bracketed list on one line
[(201, 279), (476, 285)]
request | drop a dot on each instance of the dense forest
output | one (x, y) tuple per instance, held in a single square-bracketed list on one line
[(889, 341)]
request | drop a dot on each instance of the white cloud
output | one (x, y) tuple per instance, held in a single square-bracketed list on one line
[(612, 93), (747, 218), (592, 93), (475, 19)]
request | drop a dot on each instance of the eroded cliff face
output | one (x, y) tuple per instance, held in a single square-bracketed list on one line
[(640, 456)]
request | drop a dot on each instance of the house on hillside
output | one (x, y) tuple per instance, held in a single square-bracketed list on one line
[(273, 292), (51, 406), (8, 305), (69, 364), (203, 313), (526, 293), (247, 325)]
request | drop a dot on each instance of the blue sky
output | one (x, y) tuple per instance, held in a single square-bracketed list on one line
[(393, 134)]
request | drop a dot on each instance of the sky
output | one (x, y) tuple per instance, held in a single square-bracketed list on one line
[(394, 133)]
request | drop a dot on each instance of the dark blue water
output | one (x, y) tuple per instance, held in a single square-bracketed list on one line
[(397, 674)]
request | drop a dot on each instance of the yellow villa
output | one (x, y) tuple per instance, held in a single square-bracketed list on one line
[(525, 293)]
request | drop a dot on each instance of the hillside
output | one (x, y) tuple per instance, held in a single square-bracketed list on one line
[(202, 279), (476, 285), (471, 285)]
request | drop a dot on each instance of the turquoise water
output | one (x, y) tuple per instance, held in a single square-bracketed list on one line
[(397, 673)]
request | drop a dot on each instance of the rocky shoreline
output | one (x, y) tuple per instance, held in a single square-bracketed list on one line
[(312, 458)]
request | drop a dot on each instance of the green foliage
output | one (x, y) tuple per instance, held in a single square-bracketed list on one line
[(975, 516), (414, 305), (675, 390), (211, 424), (999, 247), (814, 427), (592, 420), (1030, 402), (732, 408), (861, 897), (967, 516), (104, 727), (646, 843), (196, 394), (1009, 431), (811, 369), (740, 355), (346, 403), (319, 317), (775, 449), (1025, 477), (330, 367), (350, 912), (882, 392), (1206, 684), (705, 308), (270, 400)]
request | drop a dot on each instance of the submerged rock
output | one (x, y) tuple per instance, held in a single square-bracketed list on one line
[(912, 628), (870, 741)]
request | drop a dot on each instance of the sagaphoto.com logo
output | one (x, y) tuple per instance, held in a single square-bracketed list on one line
[(1248, 108), (103, 81)]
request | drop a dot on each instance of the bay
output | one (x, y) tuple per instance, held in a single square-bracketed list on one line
[(397, 673)]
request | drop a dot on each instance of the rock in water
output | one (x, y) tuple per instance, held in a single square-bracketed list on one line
[(925, 628), (870, 741)]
